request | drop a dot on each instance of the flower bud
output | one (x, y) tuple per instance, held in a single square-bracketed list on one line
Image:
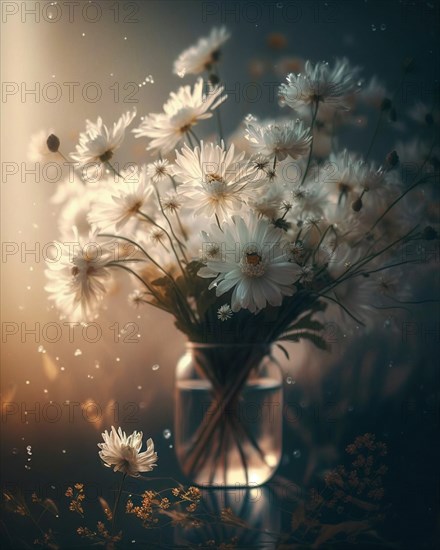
[(53, 143), (357, 204)]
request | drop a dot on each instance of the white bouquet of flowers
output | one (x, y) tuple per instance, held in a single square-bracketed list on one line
[(245, 241)]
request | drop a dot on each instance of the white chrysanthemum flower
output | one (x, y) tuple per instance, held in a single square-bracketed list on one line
[(320, 83), (343, 174), (215, 180), (75, 214), (284, 139), (159, 170), (271, 201), (118, 204), (79, 276), (252, 263), (224, 312), (181, 112), (122, 452), (309, 199), (203, 55), (171, 202), (158, 235), (98, 142), (38, 151)]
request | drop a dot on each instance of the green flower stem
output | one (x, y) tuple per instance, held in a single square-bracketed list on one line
[(139, 278), (169, 238), (112, 168), (115, 509), (314, 113), (181, 246), (194, 135)]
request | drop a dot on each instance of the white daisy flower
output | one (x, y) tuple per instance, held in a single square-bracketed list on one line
[(309, 199), (270, 202), (284, 139), (171, 202), (320, 83), (75, 214), (224, 312), (98, 142), (157, 235), (182, 111), (159, 170), (79, 276), (203, 55), (252, 263), (122, 452), (215, 180), (120, 203)]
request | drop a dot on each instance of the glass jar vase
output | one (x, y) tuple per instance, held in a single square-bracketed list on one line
[(228, 414)]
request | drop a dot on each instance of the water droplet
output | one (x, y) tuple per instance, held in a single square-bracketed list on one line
[(14, 451), (171, 446), (62, 368), (118, 359), (390, 365), (167, 433), (77, 352), (296, 453), (373, 27), (155, 367), (28, 382), (83, 34), (125, 38), (139, 387), (64, 451), (383, 27), (45, 390), (41, 349), (26, 467)]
